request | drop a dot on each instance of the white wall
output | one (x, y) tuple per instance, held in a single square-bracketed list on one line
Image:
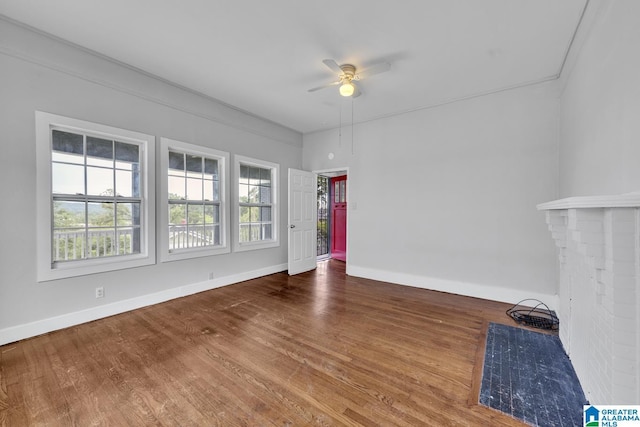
[(600, 107), (444, 198), (38, 73)]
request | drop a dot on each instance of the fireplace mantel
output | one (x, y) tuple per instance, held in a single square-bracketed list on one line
[(628, 200), (599, 291)]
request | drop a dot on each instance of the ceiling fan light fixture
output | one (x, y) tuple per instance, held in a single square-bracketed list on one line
[(347, 89)]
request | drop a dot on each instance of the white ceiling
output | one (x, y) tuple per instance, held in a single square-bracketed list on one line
[(262, 56)]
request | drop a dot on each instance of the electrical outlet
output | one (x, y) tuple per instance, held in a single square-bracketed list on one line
[(211, 276), (100, 292)]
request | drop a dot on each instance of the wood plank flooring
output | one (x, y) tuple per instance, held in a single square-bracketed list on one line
[(317, 349)]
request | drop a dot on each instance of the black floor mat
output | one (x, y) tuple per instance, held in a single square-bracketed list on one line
[(528, 375)]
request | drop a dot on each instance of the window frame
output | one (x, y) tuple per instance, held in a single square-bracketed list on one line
[(275, 207), (223, 159), (47, 269)]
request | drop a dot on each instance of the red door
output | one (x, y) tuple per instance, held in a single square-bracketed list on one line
[(339, 218)]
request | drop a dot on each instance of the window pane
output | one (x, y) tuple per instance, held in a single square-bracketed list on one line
[(215, 234), (244, 174), (101, 214), (101, 242), (68, 214), (194, 189), (68, 244), (216, 191), (197, 236), (211, 169), (208, 190), (265, 213), (99, 181), (67, 179), (124, 184), (176, 162), (177, 227), (127, 153), (243, 193), (255, 233), (177, 188), (336, 192), (178, 213), (67, 147), (99, 152), (265, 195), (254, 176), (265, 177), (255, 214), (266, 231), (66, 142), (244, 214), (125, 214), (254, 194), (194, 164), (136, 236), (195, 214), (211, 214), (136, 214), (127, 238), (245, 230), (177, 236), (343, 191)]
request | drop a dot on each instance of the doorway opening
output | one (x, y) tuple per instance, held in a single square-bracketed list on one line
[(323, 218), (332, 215)]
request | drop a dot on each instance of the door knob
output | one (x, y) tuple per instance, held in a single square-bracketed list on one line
[(292, 226)]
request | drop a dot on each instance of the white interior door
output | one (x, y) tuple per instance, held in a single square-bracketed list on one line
[(303, 224)]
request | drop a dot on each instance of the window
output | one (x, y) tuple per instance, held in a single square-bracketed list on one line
[(256, 210), (95, 212), (193, 199)]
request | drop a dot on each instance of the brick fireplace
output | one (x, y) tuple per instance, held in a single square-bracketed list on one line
[(599, 292)]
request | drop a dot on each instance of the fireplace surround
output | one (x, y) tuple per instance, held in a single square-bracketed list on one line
[(599, 291)]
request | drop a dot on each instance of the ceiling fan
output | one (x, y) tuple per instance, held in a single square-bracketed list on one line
[(347, 76)]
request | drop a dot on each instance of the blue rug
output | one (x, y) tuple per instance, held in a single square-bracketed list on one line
[(528, 375)]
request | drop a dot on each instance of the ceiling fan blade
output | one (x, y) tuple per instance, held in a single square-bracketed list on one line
[(324, 86), (374, 69), (333, 65)]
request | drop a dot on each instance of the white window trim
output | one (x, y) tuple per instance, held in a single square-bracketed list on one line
[(46, 269), (166, 255), (275, 211)]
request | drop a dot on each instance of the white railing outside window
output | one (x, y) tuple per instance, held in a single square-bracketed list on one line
[(184, 236), (79, 244)]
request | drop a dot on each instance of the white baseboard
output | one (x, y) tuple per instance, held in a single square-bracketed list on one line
[(28, 330), (476, 290)]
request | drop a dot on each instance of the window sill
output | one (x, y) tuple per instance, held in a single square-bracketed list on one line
[(87, 267), (182, 254), (251, 246)]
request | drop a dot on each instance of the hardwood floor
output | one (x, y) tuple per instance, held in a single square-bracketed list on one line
[(320, 348)]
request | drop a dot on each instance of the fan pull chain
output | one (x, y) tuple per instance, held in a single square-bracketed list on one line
[(340, 125), (352, 106)]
